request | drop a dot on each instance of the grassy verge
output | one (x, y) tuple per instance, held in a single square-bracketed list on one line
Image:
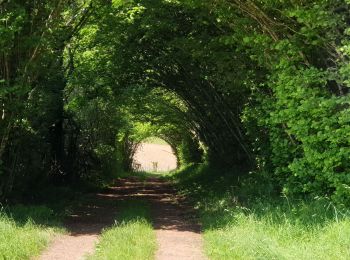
[(132, 236), (238, 225), (144, 176), (26, 231)]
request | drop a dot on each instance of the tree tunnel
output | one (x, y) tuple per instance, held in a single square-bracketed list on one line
[(162, 76), (157, 113), (257, 85)]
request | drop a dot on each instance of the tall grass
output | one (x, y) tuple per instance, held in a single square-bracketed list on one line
[(272, 231), (238, 223), (26, 231), (131, 238)]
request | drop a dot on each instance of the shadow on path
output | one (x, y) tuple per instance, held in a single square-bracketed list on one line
[(178, 234), (176, 225)]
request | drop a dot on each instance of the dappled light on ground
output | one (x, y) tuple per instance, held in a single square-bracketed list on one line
[(154, 157)]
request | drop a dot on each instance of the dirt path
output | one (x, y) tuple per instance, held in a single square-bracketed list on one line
[(178, 235), (161, 154), (178, 232), (84, 226)]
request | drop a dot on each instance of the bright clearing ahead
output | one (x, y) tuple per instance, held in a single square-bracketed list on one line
[(155, 157)]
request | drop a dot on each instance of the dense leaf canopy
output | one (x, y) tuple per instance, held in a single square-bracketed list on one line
[(262, 86)]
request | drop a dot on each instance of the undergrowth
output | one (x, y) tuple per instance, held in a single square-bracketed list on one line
[(26, 230), (244, 218)]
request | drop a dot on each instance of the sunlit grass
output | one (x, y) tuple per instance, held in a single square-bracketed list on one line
[(132, 237), (144, 176), (264, 232), (26, 231), (238, 224)]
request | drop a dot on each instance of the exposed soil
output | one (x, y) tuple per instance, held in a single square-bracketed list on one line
[(84, 226), (177, 229), (178, 234), (160, 154)]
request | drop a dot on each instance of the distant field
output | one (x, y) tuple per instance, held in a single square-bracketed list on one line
[(155, 157), (154, 140)]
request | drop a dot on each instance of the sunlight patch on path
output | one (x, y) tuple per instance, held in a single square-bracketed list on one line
[(177, 230), (70, 247)]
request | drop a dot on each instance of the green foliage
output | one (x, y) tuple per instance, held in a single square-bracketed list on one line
[(258, 84), (33, 37), (298, 116)]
